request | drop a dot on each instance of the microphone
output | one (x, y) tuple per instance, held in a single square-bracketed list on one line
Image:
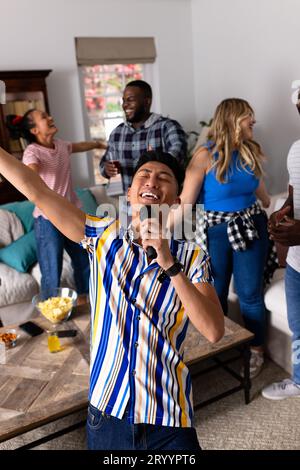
[(145, 213)]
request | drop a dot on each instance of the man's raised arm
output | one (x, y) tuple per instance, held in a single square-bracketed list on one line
[(66, 217)]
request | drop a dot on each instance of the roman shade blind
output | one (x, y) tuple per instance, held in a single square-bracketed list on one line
[(97, 51)]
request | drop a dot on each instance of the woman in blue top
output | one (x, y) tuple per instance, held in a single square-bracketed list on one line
[(225, 176)]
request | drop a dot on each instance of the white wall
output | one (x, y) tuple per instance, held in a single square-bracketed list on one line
[(207, 50), (250, 49), (39, 34)]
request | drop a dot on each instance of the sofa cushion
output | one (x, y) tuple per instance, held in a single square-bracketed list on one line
[(275, 302), (99, 193), (11, 227), (67, 275), (23, 210), (16, 287), (89, 204), (20, 254)]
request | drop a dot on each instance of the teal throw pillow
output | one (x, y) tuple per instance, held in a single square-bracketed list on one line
[(20, 254), (23, 210), (89, 203)]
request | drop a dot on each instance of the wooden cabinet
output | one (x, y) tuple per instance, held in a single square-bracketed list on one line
[(23, 90)]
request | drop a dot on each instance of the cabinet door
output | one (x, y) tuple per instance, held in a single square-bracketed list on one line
[(24, 90)]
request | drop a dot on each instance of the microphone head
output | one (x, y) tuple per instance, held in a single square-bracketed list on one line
[(151, 252)]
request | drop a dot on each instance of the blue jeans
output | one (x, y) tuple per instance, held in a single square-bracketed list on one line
[(108, 433), (50, 245), (292, 289), (247, 268)]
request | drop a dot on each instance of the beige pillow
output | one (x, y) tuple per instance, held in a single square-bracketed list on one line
[(11, 228)]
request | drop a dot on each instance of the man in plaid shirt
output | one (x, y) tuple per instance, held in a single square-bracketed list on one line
[(142, 131)]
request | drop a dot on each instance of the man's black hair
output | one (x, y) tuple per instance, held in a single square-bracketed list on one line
[(165, 158), (144, 86)]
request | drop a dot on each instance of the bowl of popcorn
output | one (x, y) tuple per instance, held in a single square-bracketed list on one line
[(9, 338), (58, 307)]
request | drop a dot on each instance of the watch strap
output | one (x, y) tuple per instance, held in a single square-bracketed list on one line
[(174, 269)]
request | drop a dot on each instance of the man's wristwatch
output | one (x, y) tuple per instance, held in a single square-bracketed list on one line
[(174, 269)]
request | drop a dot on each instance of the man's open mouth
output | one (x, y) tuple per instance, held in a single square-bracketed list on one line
[(149, 195)]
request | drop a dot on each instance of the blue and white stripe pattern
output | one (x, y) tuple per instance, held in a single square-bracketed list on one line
[(138, 328)]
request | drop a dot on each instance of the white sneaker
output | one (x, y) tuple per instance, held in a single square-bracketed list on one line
[(281, 390)]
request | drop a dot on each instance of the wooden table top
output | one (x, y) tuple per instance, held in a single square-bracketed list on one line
[(197, 347), (37, 386)]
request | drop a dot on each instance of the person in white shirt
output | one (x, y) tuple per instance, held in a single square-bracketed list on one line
[(284, 227)]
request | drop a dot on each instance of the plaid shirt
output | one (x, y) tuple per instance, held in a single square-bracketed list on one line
[(238, 240), (127, 144)]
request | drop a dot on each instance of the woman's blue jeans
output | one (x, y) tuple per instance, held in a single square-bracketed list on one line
[(292, 290), (109, 433), (50, 245), (247, 268)]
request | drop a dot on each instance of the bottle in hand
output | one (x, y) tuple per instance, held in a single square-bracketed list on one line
[(117, 164)]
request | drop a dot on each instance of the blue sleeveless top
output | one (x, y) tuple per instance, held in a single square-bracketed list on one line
[(237, 193)]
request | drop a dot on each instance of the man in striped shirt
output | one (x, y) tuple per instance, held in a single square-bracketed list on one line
[(141, 131), (140, 389)]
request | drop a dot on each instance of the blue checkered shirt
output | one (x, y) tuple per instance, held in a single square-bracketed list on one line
[(127, 144)]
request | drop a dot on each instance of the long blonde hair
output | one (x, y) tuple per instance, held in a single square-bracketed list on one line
[(226, 134)]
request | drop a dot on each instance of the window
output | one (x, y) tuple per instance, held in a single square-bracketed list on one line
[(106, 64), (103, 87)]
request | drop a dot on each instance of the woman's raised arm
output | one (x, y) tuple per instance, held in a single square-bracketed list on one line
[(66, 217)]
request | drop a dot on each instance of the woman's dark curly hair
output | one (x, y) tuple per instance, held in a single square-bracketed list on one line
[(19, 126)]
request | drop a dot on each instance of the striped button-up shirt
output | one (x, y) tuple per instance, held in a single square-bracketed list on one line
[(126, 144), (138, 327)]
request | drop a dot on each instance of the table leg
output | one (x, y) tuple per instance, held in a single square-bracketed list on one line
[(246, 381)]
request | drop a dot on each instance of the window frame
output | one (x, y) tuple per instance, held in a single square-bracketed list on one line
[(149, 74)]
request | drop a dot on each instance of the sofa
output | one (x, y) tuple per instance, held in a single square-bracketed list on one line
[(19, 271)]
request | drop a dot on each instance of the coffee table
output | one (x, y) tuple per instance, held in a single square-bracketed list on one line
[(38, 387), (198, 349)]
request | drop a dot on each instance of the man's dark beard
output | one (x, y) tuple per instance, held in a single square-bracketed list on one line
[(138, 116)]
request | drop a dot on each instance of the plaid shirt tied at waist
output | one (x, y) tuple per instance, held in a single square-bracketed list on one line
[(206, 219), (238, 238)]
